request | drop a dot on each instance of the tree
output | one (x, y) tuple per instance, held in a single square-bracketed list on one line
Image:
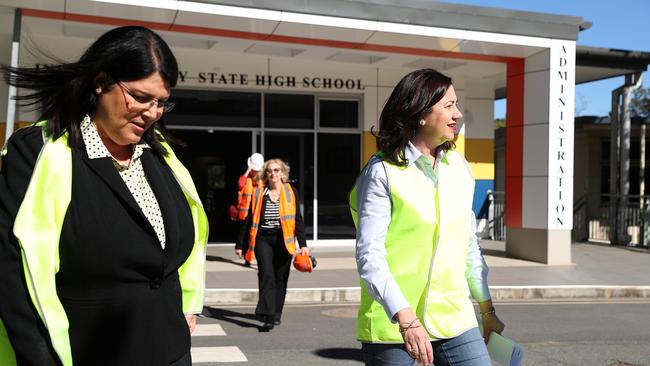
[(580, 105), (640, 104)]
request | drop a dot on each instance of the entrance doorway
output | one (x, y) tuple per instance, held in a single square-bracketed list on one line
[(297, 150), (320, 139), (215, 161)]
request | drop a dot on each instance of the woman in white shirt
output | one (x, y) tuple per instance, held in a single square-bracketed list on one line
[(417, 253)]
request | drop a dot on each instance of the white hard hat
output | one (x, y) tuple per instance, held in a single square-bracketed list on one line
[(256, 161)]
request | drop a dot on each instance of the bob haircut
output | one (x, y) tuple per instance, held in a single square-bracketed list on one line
[(66, 91), (283, 166), (411, 100)]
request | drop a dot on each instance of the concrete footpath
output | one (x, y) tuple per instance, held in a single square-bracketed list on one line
[(598, 271)]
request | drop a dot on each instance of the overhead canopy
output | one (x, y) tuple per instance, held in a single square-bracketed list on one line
[(432, 14), (600, 63), (476, 42)]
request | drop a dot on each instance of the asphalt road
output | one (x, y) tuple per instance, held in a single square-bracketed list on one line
[(553, 333)]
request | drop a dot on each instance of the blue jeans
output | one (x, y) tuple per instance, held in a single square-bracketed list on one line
[(467, 349)]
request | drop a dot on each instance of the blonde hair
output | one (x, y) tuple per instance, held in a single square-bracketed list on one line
[(284, 167)]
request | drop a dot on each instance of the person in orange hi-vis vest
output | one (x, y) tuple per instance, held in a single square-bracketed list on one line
[(270, 232), (245, 185)]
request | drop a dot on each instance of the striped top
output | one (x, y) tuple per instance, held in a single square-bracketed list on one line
[(271, 219)]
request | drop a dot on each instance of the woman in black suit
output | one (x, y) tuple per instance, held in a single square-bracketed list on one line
[(102, 235)]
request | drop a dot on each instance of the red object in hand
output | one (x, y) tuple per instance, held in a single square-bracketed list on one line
[(233, 212), (304, 262)]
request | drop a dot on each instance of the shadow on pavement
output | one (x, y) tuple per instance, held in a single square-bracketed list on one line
[(241, 319), (217, 258), (494, 253), (353, 354), (629, 248)]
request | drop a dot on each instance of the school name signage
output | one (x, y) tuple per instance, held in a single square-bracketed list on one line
[(266, 80)]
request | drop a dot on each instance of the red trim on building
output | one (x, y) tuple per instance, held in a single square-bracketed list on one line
[(83, 18), (515, 82), (514, 142)]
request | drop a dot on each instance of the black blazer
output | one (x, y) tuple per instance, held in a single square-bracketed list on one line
[(120, 290), (245, 225)]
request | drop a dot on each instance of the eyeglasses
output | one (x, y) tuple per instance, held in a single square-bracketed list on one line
[(276, 170), (146, 103)]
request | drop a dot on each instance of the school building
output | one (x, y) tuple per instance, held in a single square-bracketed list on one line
[(305, 81)]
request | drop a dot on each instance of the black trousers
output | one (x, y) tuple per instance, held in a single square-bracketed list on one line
[(183, 361), (273, 264)]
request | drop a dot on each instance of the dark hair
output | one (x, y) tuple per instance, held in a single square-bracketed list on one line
[(411, 100), (66, 92)]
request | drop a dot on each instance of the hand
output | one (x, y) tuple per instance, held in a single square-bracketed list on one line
[(304, 250), (418, 344), (239, 253), (491, 323), (191, 322), (490, 320), (416, 338)]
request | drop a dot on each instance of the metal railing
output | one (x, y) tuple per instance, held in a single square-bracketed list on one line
[(580, 230), (496, 215), (592, 219)]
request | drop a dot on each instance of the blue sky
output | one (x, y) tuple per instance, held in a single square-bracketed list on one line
[(618, 24)]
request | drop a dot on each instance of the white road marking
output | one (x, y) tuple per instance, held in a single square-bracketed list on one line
[(206, 330), (217, 354)]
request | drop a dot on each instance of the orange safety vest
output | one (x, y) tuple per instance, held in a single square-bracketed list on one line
[(287, 219), (244, 198)]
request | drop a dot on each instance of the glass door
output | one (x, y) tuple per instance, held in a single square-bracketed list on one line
[(338, 167), (297, 150), (338, 162), (215, 159)]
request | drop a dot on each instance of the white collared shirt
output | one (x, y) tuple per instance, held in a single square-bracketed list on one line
[(133, 175)]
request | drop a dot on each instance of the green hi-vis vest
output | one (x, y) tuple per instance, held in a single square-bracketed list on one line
[(38, 226), (426, 250)]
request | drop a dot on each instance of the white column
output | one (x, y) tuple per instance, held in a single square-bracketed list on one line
[(547, 175), (11, 102)]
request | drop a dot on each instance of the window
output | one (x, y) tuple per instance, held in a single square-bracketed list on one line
[(210, 108), (288, 111), (339, 113)]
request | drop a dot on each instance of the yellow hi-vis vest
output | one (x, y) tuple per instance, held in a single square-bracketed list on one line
[(38, 226), (426, 251)]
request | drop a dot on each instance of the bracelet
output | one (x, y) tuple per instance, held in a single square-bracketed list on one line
[(489, 312), (410, 325)]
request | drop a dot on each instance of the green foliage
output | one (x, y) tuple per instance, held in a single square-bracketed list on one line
[(499, 123), (641, 102)]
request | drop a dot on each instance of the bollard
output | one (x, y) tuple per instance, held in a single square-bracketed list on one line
[(646, 220)]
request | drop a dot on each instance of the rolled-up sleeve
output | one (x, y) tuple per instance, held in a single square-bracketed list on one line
[(477, 270), (374, 215)]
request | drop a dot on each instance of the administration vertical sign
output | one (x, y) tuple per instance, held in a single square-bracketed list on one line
[(561, 135)]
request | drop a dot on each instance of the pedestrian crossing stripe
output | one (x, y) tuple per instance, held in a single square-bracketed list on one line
[(217, 354), (207, 330)]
